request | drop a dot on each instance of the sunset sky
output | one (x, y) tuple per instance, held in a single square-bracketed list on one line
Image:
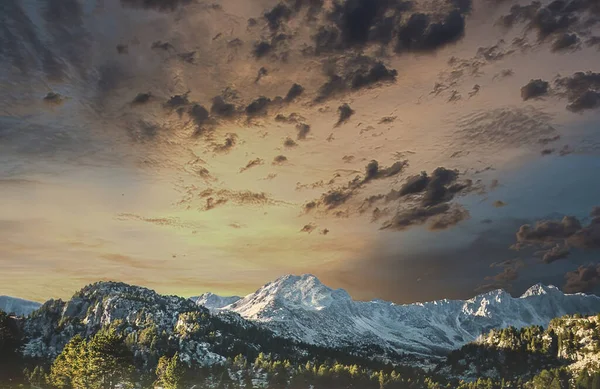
[(143, 141)]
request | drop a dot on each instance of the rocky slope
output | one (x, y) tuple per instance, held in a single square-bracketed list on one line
[(302, 308)]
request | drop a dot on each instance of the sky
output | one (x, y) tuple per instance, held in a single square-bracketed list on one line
[(402, 150)]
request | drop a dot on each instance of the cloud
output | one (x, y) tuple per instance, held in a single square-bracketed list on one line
[(210, 198), (280, 159), (583, 280), (554, 254), (420, 34), (566, 41), (227, 145), (261, 73), (159, 5), (308, 228), (295, 91), (569, 230), (177, 101), (345, 112), (303, 130), (499, 204), (53, 98), (353, 73), (201, 117), (253, 163), (221, 108), (289, 142), (142, 98), (534, 89), (414, 216), (258, 107), (291, 118)]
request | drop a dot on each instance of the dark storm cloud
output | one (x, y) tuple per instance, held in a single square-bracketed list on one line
[(303, 130), (277, 15), (345, 112), (159, 5), (583, 280), (566, 41), (535, 89), (227, 145), (253, 163), (295, 91), (262, 49)]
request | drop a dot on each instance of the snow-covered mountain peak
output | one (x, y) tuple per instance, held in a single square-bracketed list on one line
[(213, 301), (291, 292), (540, 289)]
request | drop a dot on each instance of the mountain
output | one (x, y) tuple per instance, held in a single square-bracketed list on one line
[(17, 306), (302, 308), (212, 301)]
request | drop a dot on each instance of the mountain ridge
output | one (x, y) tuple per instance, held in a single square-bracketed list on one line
[(306, 310)]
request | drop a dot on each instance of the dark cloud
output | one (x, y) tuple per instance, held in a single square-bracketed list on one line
[(373, 75), (278, 160), (289, 142), (177, 101), (261, 73), (142, 98), (201, 117), (253, 163), (434, 189), (295, 91), (387, 120), (455, 215), (258, 107), (324, 231), (160, 45), (374, 172), (547, 151), (566, 41), (277, 15), (554, 254), (159, 5), (507, 275), (221, 108), (291, 118), (122, 49), (499, 204), (227, 145), (420, 34), (262, 49), (303, 130), (308, 228), (583, 280), (582, 90), (345, 112), (535, 89), (53, 98), (414, 216), (352, 74), (568, 231)]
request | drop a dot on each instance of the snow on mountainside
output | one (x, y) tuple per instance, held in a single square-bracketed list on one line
[(17, 306), (302, 308), (212, 301)]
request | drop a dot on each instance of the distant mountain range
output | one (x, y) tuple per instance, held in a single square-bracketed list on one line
[(18, 306), (302, 308)]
